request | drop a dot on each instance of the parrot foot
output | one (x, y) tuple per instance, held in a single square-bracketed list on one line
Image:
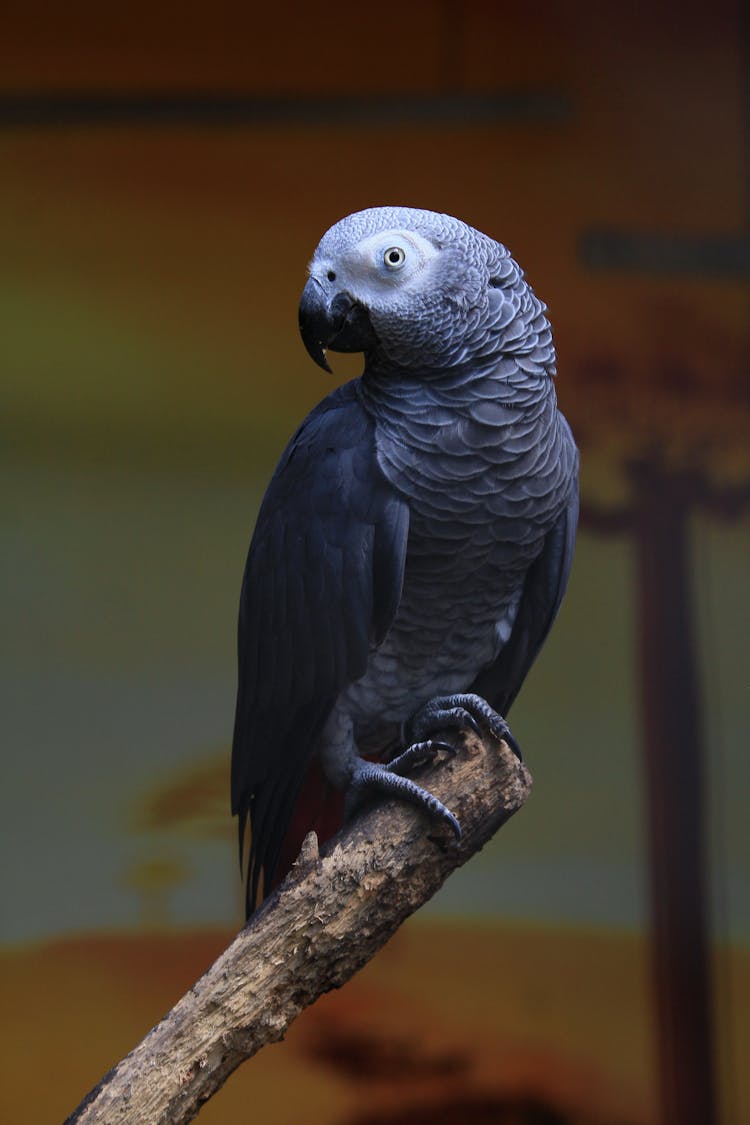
[(387, 778), (461, 712), (418, 754)]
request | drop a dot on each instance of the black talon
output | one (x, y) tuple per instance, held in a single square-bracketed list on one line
[(461, 711), (508, 737), (466, 719), (418, 754)]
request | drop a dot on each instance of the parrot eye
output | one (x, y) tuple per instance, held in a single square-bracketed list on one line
[(394, 258)]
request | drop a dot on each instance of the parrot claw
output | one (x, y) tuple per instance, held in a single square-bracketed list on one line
[(418, 754), (369, 776), (459, 712)]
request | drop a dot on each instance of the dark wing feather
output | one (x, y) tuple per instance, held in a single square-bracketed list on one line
[(543, 590), (321, 587)]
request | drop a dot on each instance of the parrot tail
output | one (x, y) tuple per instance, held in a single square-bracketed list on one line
[(319, 808)]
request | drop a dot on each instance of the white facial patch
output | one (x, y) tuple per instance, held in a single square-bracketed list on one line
[(385, 261)]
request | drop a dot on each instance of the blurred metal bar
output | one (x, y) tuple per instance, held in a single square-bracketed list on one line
[(63, 109), (689, 255), (676, 786)]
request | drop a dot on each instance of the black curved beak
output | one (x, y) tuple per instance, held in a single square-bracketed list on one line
[(313, 323), (343, 325)]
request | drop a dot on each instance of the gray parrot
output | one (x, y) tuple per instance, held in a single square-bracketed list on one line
[(414, 544)]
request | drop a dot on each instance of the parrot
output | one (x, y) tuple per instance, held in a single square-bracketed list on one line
[(414, 543)]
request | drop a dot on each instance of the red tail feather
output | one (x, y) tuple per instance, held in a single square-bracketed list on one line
[(319, 808)]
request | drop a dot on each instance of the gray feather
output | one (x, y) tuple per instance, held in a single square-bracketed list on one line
[(417, 536)]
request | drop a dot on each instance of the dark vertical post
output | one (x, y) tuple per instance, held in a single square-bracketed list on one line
[(675, 782)]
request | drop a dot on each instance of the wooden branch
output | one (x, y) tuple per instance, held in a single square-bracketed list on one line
[(326, 920)]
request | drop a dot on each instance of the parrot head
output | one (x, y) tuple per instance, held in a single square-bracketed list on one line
[(412, 287)]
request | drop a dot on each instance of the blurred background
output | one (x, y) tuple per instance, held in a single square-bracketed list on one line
[(166, 174)]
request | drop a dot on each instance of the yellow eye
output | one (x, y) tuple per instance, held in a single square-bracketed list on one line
[(394, 258)]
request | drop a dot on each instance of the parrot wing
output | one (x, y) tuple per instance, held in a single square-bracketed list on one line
[(543, 591), (321, 587)]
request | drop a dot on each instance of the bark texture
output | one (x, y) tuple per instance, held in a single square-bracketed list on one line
[(333, 912)]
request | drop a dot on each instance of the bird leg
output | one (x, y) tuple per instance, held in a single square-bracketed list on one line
[(359, 778), (459, 712), (379, 777)]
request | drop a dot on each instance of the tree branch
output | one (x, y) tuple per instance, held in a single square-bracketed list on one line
[(327, 919)]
